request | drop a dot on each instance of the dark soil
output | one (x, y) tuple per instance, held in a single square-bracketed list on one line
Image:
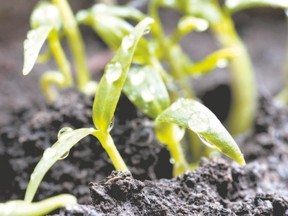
[(217, 187), (35, 129)]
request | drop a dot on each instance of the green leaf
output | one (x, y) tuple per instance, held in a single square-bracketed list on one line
[(66, 140), (217, 59), (112, 30), (32, 45), (22, 208), (112, 82), (45, 14), (145, 88), (237, 5), (126, 12), (191, 114)]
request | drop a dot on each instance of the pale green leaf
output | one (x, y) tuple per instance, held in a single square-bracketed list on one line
[(32, 45), (58, 151), (145, 88), (46, 14), (237, 5), (191, 114), (112, 30), (23, 208), (114, 77), (126, 12), (218, 59)]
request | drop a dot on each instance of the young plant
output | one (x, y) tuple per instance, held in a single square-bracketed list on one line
[(23, 208), (104, 106), (219, 19), (148, 85), (48, 22)]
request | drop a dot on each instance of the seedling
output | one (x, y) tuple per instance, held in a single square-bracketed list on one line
[(22, 208), (104, 106), (49, 21)]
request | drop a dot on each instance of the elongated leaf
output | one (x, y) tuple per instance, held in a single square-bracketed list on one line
[(45, 14), (126, 12), (237, 5), (145, 88), (112, 30), (217, 59), (58, 151), (193, 115), (112, 82), (23, 208), (32, 45)]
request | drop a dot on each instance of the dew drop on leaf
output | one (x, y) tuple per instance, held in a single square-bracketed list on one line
[(63, 130), (198, 122), (111, 124), (147, 95), (222, 63), (210, 145), (147, 30), (65, 155), (137, 78), (127, 42), (202, 25), (171, 160), (49, 153), (113, 72)]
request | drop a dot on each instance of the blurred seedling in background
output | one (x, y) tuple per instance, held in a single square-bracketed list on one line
[(50, 22)]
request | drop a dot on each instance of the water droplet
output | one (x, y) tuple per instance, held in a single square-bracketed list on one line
[(198, 122), (222, 63), (49, 153), (147, 30), (111, 124), (147, 95), (286, 12), (137, 78), (65, 155), (127, 42), (202, 25), (32, 177), (113, 72), (210, 145), (171, 160), (64, 130)]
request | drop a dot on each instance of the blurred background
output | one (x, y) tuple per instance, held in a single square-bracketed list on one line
[(264, 32)]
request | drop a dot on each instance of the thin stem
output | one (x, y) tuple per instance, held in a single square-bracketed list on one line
[(244, 92), (59, 55), (169, 135), (109, 146), (75, 42)]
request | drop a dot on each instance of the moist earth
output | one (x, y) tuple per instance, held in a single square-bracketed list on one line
[(216, 187)]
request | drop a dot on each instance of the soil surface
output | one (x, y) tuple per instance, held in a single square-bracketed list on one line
[(217, 187), (35, 129)]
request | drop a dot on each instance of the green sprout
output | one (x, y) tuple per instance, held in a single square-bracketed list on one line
[(48, 22), (23, 208), (149, 86), (104, 106)]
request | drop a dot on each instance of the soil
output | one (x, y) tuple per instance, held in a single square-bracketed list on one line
[(217, 187)]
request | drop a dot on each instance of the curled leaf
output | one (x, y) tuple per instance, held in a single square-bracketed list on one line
[(113, 80), (23, 208), (32, 45), (51, 155), (145, 88), (46, 14), (191, 114)]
